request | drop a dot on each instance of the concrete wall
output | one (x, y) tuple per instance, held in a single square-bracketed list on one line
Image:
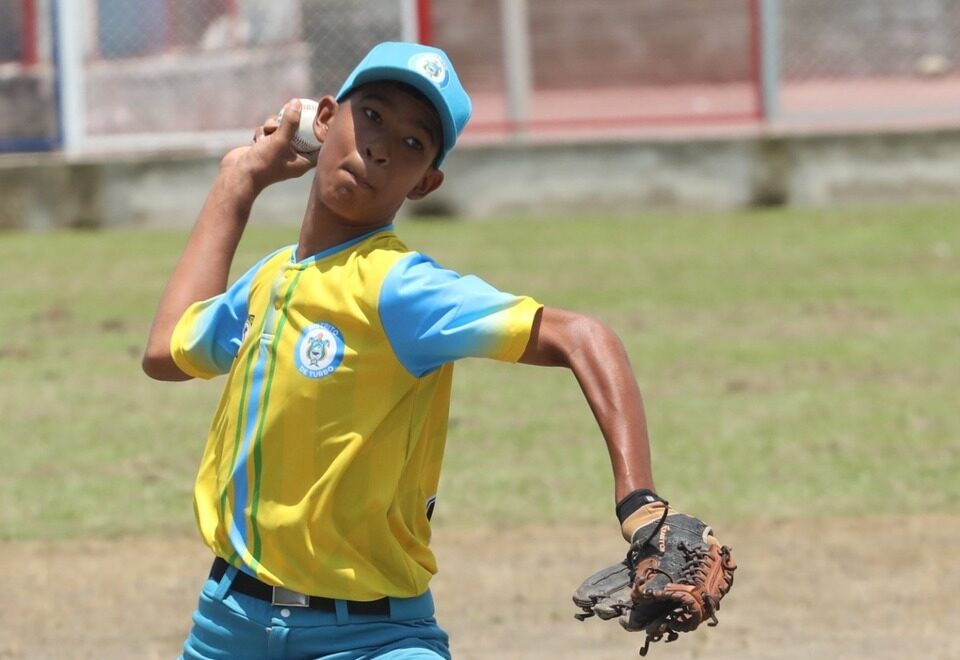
[(189, 91), (706, 174), (42, 192)]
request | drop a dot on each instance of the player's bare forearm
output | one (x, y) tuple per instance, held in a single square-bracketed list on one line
[(204, 266), (599, 361)]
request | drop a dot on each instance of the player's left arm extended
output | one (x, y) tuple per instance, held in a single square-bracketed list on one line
[(596, 356), (676, 571)]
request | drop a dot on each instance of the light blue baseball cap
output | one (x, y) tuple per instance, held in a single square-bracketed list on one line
[(428, 70)]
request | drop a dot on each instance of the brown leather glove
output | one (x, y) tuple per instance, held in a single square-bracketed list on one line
[(672, 579)]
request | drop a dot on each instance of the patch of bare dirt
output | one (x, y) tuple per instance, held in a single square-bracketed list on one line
[(881, 587)]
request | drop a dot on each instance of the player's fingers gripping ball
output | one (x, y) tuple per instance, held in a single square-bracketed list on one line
[(304, 140), (672, 579)]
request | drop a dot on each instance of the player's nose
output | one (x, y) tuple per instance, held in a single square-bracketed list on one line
[(377, 152)]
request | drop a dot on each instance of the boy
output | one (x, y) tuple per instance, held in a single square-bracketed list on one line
[(321, 467)]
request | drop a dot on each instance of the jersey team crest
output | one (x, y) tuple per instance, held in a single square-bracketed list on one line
[(319, 350)]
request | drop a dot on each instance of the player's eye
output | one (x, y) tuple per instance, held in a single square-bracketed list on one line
[(373, 115), (414, 143)]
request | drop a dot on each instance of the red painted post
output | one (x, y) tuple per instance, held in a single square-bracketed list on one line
[(756, 58), (28, 30), (425, 21)]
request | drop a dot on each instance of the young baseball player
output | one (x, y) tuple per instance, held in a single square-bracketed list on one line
[(320, 470)]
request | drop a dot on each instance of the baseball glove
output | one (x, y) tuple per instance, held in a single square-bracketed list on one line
[(671, 581)]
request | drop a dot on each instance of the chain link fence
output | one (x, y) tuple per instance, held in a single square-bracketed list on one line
[(876, 62), (168, 69), (608, 67), (173, 73), (188, 74), (868, 38), (28, 85)]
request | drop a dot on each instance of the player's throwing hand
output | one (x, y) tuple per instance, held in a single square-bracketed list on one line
[(271, 157)]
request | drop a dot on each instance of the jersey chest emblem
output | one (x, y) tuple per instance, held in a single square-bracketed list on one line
[(319, 350)]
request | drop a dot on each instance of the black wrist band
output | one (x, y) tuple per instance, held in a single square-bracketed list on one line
[(634, 501)]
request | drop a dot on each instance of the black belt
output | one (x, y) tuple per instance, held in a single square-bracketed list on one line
[(251, 586)]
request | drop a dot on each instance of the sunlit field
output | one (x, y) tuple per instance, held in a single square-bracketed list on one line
[(793, 363)]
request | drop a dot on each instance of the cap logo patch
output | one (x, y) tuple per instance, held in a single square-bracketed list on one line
[(431, 67), (319, 350)]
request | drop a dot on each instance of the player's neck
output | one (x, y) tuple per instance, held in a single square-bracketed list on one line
[(323, 229)]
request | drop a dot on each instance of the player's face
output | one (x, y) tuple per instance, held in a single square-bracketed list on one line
[(378, 151)]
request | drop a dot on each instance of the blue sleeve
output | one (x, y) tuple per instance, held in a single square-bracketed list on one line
[(433, 316), (208, 335)]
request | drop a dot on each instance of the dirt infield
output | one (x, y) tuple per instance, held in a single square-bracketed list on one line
[(885, 587)]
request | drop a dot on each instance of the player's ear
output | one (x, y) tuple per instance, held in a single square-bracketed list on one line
[(327, 107), (430, 182)]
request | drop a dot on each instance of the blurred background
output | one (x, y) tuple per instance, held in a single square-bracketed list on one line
[(120, 75), (155, 80)]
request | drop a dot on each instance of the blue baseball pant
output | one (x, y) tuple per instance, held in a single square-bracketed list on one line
[(234, 626)]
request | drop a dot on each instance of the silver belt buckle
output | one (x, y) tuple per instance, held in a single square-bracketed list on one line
[(286, 598)]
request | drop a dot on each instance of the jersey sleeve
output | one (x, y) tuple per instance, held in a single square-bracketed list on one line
[(208, 335), (432, 316)]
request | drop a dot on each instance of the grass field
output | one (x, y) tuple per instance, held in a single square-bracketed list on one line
[(793, 363)]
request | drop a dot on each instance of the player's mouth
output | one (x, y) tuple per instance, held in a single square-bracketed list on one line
[(357, 178)]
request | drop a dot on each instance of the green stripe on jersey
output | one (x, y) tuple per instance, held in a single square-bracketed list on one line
[(257, 454)]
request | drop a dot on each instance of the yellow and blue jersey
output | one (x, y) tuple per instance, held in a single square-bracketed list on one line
[(323, 458)]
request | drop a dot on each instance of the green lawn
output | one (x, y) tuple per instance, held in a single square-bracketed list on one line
[(792, 362)]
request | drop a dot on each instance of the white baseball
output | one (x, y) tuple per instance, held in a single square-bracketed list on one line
[(304, 141)]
